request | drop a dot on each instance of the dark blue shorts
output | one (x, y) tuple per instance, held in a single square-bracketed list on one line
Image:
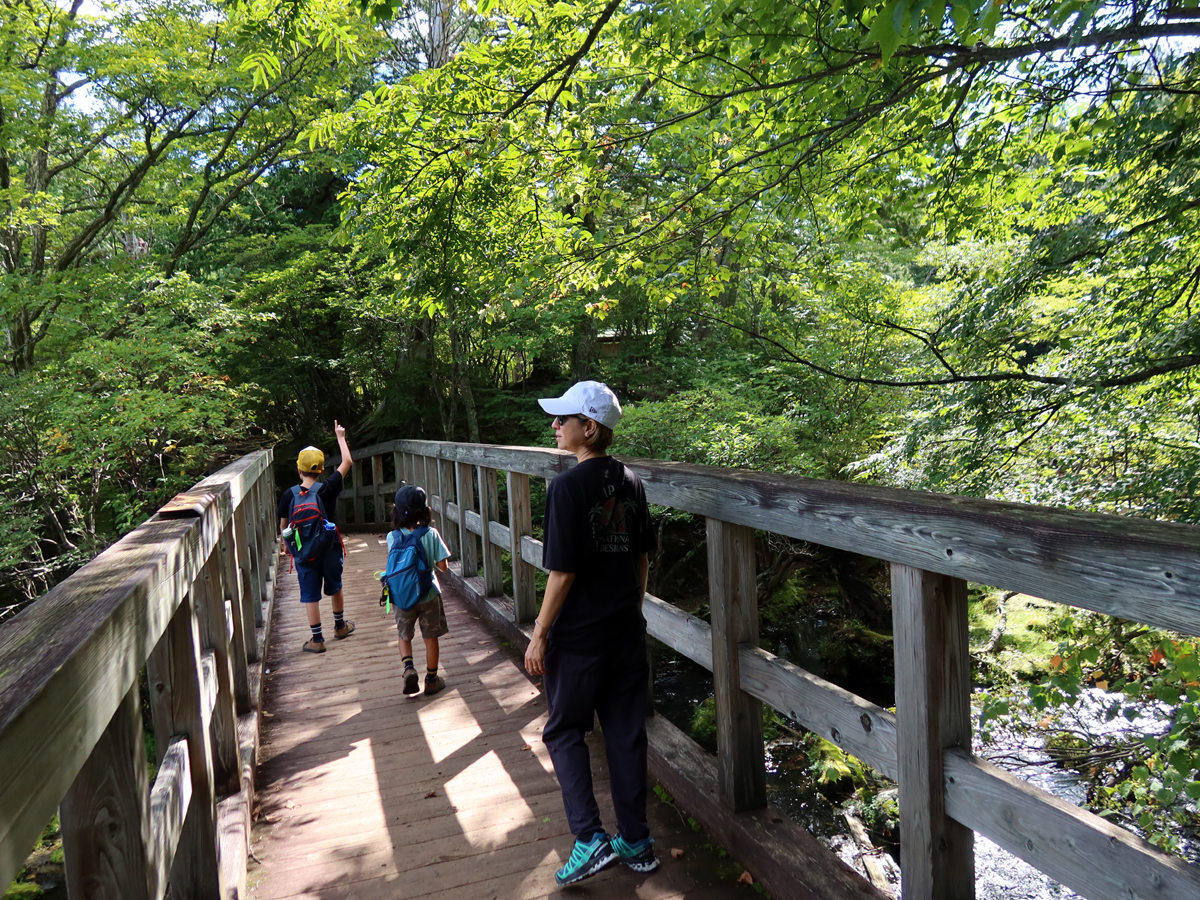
[(328, 570)]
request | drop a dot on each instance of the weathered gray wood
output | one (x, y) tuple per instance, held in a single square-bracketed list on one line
[(452, 515), (531, 552), (210, 612), (679, 630), (446, 485), (240, 475), (67, 662), (178, 701), (858, 727), (465, 492), (377, 489), (489, 511), (1084, 852), (733, 598), (520, 525), (360, 515), (106, 816), (169, 800), (1134, 568), (251, 599), (786, 859), (933, 707)]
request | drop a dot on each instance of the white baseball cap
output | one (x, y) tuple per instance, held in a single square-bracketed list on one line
[(586, 398)]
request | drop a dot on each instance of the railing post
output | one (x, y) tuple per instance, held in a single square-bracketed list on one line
[(106, 813), (733, 599), (520, 524), (377, 482), (446, 488), (247, 554), (466, 498), (214, 636), (356, 480), (489, 510), (235, 590), (933, 707), (177, 700)]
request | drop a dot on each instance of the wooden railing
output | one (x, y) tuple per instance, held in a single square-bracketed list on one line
[(183, 596), (1136, 569)]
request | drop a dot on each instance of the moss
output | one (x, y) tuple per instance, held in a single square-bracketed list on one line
[(23, 890)]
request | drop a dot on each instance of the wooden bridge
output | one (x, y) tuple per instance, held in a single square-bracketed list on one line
[(363, 794)]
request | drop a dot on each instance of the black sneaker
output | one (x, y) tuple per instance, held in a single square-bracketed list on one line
[(410, 680)]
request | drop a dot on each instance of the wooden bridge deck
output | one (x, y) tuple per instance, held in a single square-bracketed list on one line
[(364, 793)]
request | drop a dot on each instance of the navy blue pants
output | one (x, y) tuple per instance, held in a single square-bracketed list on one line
[(612, 688)]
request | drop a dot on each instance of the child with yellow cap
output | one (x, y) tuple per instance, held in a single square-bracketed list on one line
[(319, 561)]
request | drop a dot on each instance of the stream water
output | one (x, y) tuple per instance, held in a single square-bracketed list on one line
[(681, 686)]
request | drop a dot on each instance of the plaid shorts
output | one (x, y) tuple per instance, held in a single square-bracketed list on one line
[(432, 616)]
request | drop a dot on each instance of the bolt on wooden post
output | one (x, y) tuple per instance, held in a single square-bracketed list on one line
[(933, 709), (733, 598)]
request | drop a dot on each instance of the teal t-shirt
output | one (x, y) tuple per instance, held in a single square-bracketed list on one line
[(435, 551)]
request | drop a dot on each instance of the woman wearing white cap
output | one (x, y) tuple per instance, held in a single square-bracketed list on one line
[(589, 639)]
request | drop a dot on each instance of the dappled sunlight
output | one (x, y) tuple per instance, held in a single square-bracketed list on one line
[(532, 733), (444, 742), (480, 825), (509, 692)]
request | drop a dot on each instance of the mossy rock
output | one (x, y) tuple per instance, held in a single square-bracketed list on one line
[(23, 890)]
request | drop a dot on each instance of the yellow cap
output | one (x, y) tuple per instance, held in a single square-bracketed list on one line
[(311, 460)]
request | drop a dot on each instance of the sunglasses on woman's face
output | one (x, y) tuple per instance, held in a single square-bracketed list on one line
[(562, 420)]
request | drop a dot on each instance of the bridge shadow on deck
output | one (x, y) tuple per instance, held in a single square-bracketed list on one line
[(366, 794)]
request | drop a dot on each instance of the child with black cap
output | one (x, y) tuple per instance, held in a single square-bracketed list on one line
[(410, 513)]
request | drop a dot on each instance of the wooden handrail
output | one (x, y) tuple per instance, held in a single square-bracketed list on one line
[(1137, 569), (70, 722)]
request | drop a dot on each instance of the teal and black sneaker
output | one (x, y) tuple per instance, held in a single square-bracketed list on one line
[(586, 860), (638, 855)]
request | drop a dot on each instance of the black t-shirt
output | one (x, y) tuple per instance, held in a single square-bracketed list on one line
[(597, 526), (327, 490)]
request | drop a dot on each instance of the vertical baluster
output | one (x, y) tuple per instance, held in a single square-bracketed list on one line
[(520, 524), (933, 706), (466, 498), (106, 813), (177, 701), (489, 510), (449, 530), (377, 478), (356, 481), (214, 636), (733, 598)]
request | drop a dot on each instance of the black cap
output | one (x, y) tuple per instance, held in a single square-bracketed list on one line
[(410, 499)]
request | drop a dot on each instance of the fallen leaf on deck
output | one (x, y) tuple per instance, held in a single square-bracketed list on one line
[(289, 804), (526, 747), (677, 852), (483, 642), (431, 794), (272, 818), (745, 878)]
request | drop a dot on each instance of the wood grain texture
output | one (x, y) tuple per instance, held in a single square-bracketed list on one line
[(446, 480), (377, 489), (679, 630), (860, 728), (520, 525), (177, 702), (489, 512), (105, 814), (1084, 852), (169, 800), (733, 599), (465, 492), (933, 708), (1134, 568), (210, 613)]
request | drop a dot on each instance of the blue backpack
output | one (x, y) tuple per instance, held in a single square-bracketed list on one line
[(408, 577), (309, 534)]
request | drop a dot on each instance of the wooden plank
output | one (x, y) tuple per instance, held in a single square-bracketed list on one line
[(679, 630), (446, 486), (733, 598), (933, 708), (239, 475), (67, 662), (489, 510), (520, 525), (465, 492), (210, 612), (858, 727), (177, 702), (1123, 566), (169, 801), (1089, 855), (377, 488), (360, 515), (106, 816), (790, 862), (531, 552)]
